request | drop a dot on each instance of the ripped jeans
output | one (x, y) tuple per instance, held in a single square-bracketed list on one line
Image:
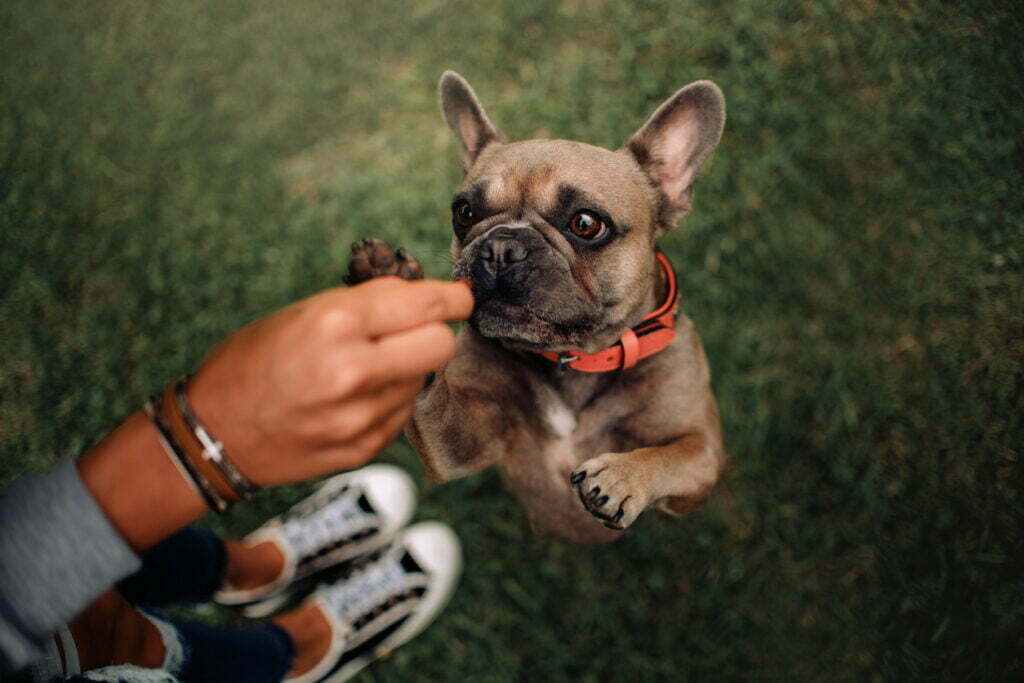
[(189, 567)]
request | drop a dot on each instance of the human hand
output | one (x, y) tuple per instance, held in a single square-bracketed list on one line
[(325, 384)]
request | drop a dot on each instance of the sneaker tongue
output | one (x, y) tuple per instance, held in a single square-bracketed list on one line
[(368, 588), (336, 519)]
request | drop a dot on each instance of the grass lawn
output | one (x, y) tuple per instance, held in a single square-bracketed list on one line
[(170, 171)]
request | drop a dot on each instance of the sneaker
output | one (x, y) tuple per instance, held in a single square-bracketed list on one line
[(387, 601), (349, 515)]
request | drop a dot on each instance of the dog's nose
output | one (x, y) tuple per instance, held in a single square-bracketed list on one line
[(502, 250)]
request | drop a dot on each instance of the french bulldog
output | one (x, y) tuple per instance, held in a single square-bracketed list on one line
[(576, 376)]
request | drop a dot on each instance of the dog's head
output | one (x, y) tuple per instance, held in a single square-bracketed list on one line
[(557, 237)]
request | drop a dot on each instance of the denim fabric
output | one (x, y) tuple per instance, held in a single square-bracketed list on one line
[(255, 654), (189, 567), (186, 567), (259, 654)]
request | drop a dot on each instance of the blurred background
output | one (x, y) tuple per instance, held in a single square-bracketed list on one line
[(170, 171)]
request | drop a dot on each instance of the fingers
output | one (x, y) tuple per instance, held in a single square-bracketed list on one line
[(372, 410), (359, 451), (377, 439), (387, 305), (349, 418), (412, 353), (362, 368)]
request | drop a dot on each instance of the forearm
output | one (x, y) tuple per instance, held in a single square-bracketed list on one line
[(137, 485)]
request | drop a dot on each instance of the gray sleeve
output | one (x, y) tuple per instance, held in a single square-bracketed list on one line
[(58, 552)]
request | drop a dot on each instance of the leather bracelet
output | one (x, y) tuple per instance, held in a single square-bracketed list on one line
[(193, 449), (213, 450), (181, 461)]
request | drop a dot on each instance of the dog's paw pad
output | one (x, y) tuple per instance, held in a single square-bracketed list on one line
[(604, 488), (375, 258)]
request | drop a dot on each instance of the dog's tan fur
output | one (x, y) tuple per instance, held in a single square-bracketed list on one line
[(647, 435)]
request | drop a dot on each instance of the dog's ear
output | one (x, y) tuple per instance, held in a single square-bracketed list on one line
[(466, 118), (675, 141)]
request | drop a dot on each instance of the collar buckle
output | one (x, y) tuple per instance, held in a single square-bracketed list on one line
[(564, 360)]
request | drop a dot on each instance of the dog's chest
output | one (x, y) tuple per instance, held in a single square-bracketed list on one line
[(558, 448), (570, 438)]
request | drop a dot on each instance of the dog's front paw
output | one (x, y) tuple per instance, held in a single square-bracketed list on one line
[(609, 489), (373, 258)]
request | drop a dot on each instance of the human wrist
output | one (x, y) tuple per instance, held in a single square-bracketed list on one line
[(200, 457), (137, 486), (217, 398)]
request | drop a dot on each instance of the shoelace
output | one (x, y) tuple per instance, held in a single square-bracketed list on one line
[(334, 519), (366, 589)]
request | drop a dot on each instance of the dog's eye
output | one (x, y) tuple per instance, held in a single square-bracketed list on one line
[(587, 225), (463, 214)]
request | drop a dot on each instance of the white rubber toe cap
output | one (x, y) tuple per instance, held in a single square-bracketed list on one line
[(391, 492), (436, 549)]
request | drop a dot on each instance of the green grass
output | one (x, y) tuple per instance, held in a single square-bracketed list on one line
[(170, 171)]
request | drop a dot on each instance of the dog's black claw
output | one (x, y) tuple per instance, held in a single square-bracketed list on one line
[(578, 477), (600, 501), (594, 493), (613, 527), (617, 517)]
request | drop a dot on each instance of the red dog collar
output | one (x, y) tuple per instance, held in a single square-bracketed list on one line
[(653, 334)]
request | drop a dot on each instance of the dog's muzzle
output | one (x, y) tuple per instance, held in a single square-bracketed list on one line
[(502, 249), (499, 261)]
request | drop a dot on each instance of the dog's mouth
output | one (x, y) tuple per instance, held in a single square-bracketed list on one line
[(525, 327), (535, 306)]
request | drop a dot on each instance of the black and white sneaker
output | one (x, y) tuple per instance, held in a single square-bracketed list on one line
[(349, 515), (387, 601)]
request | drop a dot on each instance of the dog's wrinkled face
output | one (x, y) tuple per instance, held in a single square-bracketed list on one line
[(557, 236), (551, 234)]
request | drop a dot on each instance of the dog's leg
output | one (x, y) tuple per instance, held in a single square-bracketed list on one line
[(456, 429), (616, 487)]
